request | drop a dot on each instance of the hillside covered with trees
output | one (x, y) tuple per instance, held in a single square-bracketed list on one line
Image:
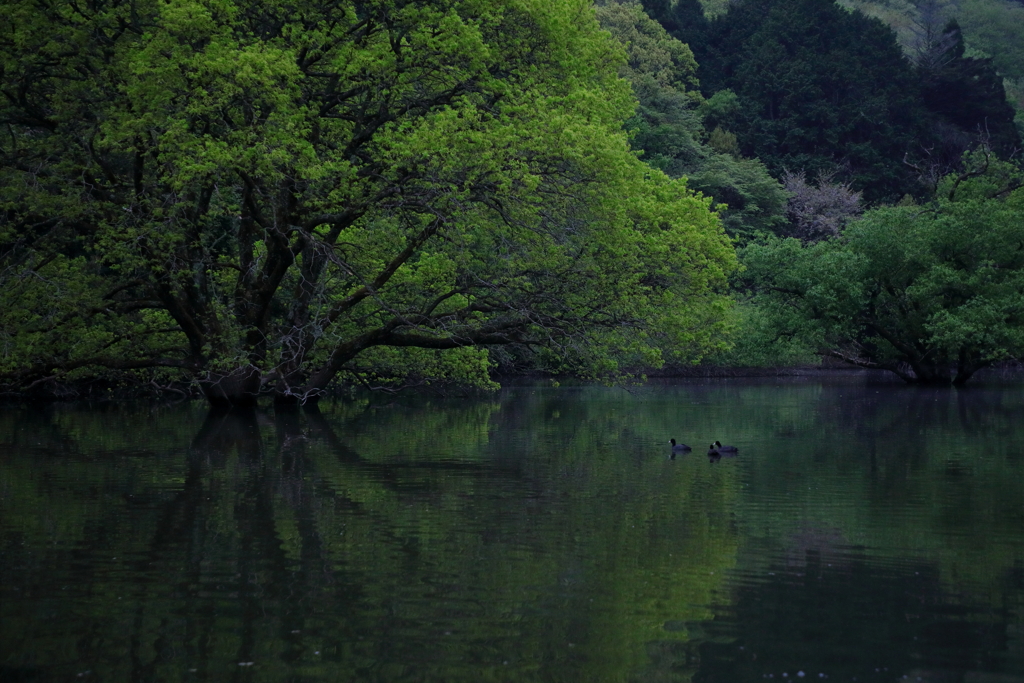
[(262, 199), (900, 242)]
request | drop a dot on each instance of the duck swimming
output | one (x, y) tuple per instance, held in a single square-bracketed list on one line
[(679, 447), (724, 449)]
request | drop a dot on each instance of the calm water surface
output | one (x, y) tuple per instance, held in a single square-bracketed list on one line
[(865, 531)]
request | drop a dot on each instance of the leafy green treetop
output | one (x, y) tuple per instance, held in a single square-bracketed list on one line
[(267, 194), (931, 293)]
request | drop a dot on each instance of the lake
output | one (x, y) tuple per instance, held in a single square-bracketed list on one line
[(865, 531)]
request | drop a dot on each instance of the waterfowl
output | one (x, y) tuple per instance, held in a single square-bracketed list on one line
[(724, 449), (679, 447), (713, 450)]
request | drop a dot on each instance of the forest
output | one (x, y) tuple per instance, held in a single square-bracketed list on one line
[(284, 199)]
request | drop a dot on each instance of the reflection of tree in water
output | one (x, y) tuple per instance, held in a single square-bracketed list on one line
[(236, 573), (310, 539), (245, 551), (892, 413), (303, 582), (368, 533)]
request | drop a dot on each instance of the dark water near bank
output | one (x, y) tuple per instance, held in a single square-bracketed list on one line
[(867, 532)]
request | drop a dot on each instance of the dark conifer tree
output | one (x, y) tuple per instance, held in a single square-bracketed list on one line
[(689, 24), (820, 87), (662, 12), (968, 93)]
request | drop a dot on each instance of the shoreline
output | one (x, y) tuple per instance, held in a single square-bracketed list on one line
[(101, 392)]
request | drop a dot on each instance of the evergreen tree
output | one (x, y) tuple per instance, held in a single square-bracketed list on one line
[(683, 19), (819, 87), (968, 93)]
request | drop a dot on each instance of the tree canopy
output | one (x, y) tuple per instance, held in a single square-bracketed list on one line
[(268, 194), (932, 293)]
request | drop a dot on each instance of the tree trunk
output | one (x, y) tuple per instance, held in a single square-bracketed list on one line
[(240, 387), (935, 380), (929, 373), (287, 391), (966, 366)]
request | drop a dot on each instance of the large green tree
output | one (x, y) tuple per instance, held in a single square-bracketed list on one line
[(931, 293), (262, 195)]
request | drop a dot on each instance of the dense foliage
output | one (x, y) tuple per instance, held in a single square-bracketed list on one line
[(917, 290), (669, 125), (967, 92), (268, 194), (852, 115), (263, 197), (820, 88)]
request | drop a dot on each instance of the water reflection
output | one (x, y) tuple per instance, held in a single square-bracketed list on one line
[(540, 534)]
